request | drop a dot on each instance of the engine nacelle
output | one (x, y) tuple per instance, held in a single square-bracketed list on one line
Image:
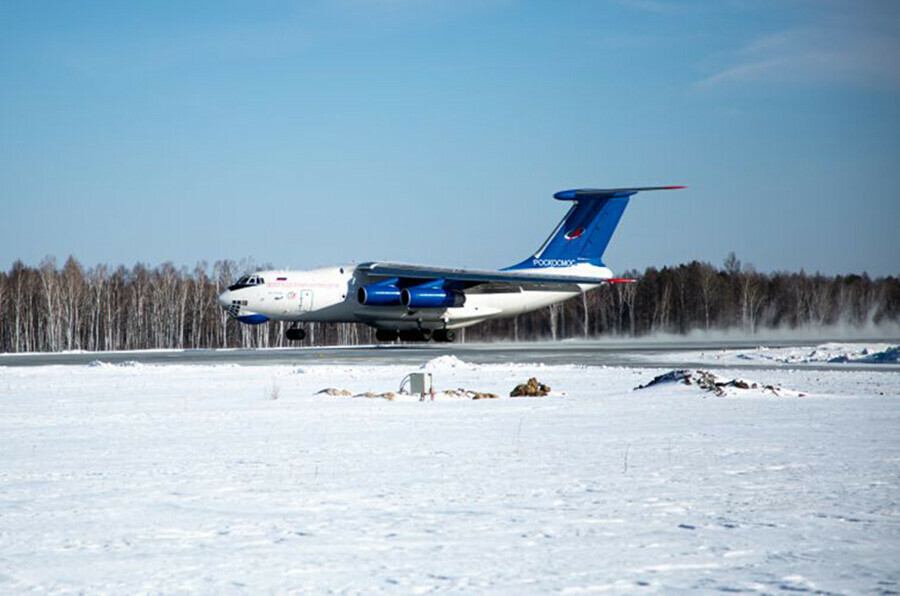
[(427, 296), (380, 294)]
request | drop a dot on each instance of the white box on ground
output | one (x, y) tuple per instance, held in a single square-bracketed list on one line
[(420, 383)]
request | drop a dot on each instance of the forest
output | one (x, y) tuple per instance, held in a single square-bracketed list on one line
[(50, 308)]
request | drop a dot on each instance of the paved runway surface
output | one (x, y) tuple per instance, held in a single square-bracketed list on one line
[(612, 353)]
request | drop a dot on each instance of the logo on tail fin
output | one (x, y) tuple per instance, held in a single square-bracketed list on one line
[(576, 233)]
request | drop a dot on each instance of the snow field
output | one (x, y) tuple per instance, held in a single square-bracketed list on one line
[(884, 354), (175, 478)]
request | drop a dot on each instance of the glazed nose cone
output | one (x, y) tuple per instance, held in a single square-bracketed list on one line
[(224, 299)]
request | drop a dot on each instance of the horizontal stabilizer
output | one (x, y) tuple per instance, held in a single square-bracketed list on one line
[(578, 194)]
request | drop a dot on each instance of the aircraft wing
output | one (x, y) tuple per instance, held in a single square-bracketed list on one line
[(473, 277)]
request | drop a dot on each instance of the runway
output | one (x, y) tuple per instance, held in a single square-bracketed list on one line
[(594, 353)]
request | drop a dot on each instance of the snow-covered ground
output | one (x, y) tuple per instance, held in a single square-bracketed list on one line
[(828, 353), (174, 478)]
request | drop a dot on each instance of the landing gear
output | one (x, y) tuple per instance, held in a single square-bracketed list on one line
[(441, 335), (444, 335), (415, 335), (295, 334), (386, 334)]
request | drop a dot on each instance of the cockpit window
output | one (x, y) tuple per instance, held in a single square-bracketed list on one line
[(246, 282)]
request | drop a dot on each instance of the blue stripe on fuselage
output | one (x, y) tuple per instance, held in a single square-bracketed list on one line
[(253, 319)]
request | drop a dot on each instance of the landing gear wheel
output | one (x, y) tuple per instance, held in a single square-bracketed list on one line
[(386, 334), (295, 334), (416, 335), (444, 335)]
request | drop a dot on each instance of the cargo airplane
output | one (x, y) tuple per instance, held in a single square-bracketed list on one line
[(416, 303)]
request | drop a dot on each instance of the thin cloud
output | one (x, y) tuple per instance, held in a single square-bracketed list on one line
[(821, 54)]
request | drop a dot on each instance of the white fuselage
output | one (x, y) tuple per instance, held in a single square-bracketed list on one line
[(330, 295)]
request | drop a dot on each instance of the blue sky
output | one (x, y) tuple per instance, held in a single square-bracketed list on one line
[(314, 133)]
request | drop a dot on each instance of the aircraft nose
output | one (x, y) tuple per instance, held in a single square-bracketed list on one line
[(224, 299)]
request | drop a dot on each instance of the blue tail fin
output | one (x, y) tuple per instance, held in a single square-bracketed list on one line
[(584, 233)]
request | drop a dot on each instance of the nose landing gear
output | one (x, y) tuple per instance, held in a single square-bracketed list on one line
[(295, 334)]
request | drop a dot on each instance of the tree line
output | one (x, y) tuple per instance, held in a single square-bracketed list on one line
[(51, 308)]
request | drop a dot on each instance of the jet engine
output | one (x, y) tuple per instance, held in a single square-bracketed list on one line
[(430, 296), (383, 293)]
